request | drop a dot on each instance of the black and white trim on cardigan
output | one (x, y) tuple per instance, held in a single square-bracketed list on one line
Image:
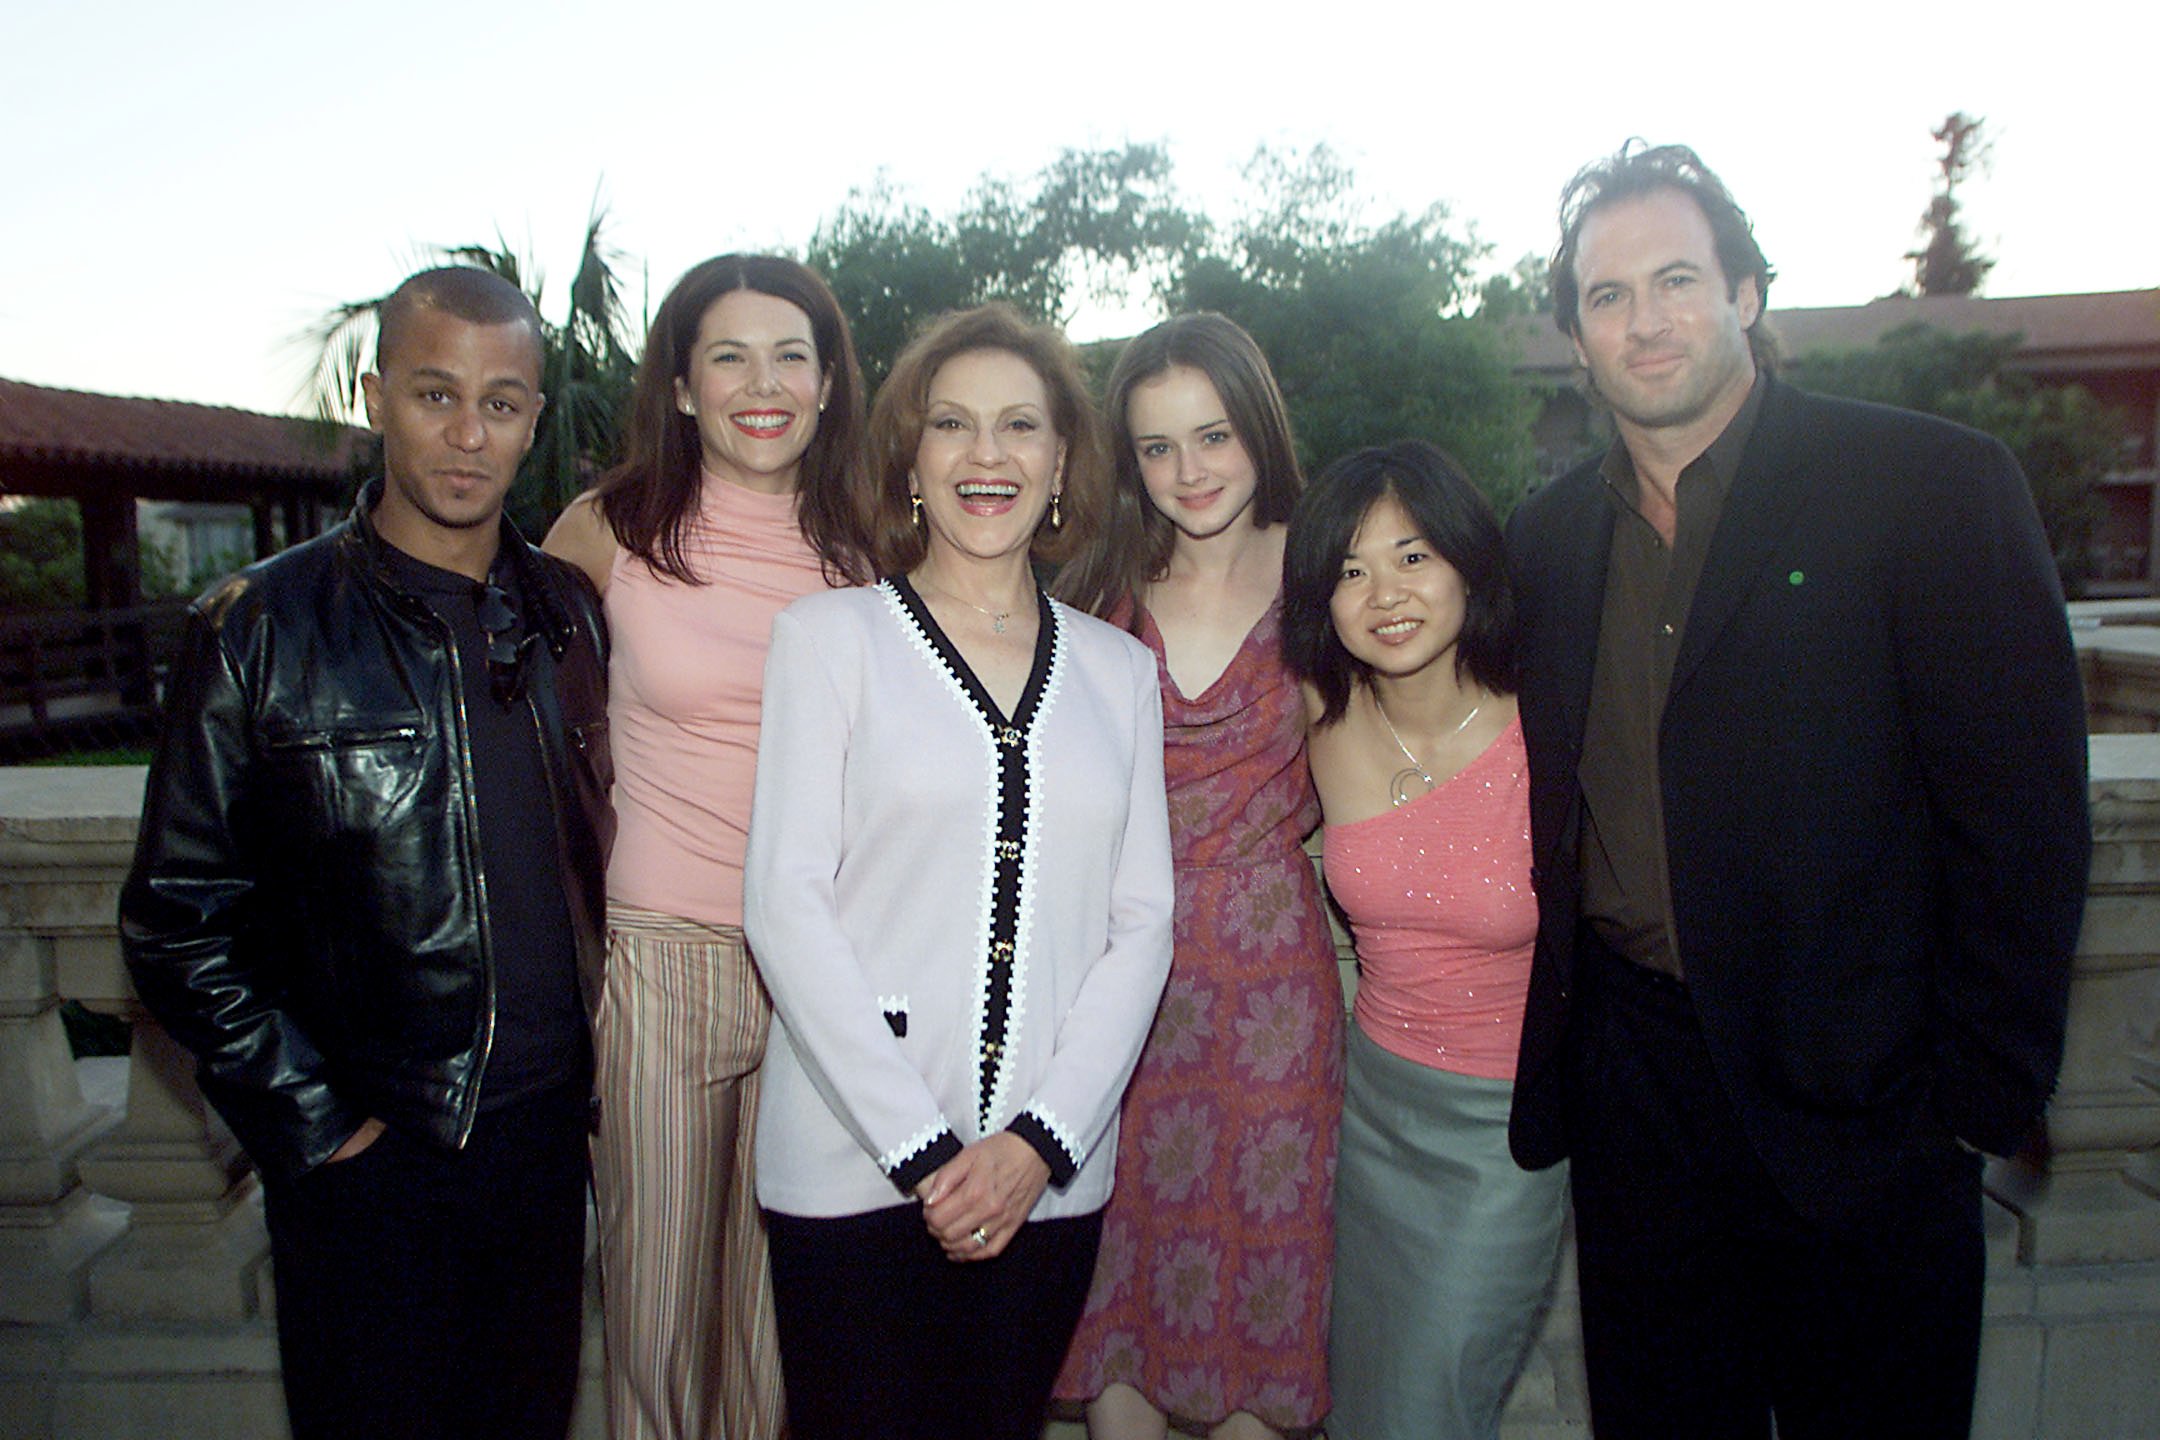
[(1001, 980)]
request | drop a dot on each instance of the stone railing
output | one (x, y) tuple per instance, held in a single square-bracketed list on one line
[(2118, 644), (133, 1275)]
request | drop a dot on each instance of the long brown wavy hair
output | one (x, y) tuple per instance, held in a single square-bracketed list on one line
[(650, 499)]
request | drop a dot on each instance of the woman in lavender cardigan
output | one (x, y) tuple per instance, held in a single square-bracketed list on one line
[(958, 889)]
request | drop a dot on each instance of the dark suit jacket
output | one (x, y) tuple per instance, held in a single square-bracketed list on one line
[(1873, 772)]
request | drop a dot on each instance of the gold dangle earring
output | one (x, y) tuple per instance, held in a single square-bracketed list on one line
[(1056, 519), (915, 510)]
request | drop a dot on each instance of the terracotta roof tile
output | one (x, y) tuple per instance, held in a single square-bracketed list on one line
[(2057, 329), (76, 427)]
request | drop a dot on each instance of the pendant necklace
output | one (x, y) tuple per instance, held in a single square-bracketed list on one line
[(997, 617), (1402, 777)]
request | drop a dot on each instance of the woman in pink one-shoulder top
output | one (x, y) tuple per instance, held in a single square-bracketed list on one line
[(1400, 620)]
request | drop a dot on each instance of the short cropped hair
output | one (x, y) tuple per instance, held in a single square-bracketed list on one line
[(1636, 170), (1449, 511), (476, 296), (903, 403)]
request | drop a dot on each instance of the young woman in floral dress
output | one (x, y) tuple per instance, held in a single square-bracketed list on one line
[(1210, 1303)]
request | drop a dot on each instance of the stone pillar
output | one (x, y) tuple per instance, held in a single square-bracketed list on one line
[(2099, 1202), (195, 1249), (2070, 1325), (64, 841)]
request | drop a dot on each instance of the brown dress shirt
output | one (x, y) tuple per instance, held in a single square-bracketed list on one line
[(1649, 588)]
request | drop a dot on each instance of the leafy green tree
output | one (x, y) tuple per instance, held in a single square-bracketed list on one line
[(1361, 321), (161, 578), (41, 560), (1522, 292), (588, 366), (41, 564), (1084, 225), (2064, 438), (1948, 262)]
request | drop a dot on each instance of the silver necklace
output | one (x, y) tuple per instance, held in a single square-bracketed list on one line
[(1402, 777), (997, 617)]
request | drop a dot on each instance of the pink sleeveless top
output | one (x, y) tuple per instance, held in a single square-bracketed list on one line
[(1439, 899), (684, 686)]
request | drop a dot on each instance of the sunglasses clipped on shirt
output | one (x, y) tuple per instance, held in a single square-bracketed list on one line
[(508, 646)]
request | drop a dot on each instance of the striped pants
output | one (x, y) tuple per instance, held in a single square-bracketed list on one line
[(692, 1353)]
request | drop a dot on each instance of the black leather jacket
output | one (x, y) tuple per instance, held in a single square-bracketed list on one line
[(307, 911)]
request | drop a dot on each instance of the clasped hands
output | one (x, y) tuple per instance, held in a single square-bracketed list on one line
[(977, 1201)]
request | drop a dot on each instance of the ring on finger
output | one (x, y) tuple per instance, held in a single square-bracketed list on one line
[(980, 1236)]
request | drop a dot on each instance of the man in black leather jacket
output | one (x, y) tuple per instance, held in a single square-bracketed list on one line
[(367, 896)]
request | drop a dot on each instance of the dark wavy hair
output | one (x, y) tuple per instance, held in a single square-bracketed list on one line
[(1133, 548), (650, 498), (1636, 170), (1449, 511), (896, 425)]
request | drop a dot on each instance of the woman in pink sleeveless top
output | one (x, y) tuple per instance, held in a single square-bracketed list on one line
[(744, 445), (1401, 621)]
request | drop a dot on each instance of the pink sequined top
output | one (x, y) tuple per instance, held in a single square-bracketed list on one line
[(684, 685), (1439, 899)]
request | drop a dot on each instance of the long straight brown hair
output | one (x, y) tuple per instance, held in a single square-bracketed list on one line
[(1132, 549), (650, 499)]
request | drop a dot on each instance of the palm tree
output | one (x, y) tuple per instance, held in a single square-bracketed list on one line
[(589, 361)]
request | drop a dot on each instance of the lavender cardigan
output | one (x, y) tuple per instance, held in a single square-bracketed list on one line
[(964, 922)]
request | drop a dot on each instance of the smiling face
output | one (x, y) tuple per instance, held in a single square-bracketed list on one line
[(1397, 606), (455, 404), (1197, 472), (755, 384), (989, 459), (1662, 333)]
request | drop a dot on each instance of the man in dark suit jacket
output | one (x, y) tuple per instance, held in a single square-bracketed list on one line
[(1808, 800)]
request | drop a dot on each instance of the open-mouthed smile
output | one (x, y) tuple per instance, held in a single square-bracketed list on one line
[(762, 424), (987, 497)]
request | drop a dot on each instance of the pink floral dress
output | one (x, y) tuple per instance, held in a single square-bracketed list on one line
[(1211, 1290)]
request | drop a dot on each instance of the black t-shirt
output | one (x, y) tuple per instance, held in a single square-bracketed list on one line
[(540, 1038)]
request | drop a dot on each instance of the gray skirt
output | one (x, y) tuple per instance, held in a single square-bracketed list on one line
[(1444, 1252)]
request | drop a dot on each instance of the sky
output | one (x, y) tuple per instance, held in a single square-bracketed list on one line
[(184, 188)]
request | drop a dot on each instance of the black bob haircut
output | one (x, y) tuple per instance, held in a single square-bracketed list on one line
[(1454, 517)]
